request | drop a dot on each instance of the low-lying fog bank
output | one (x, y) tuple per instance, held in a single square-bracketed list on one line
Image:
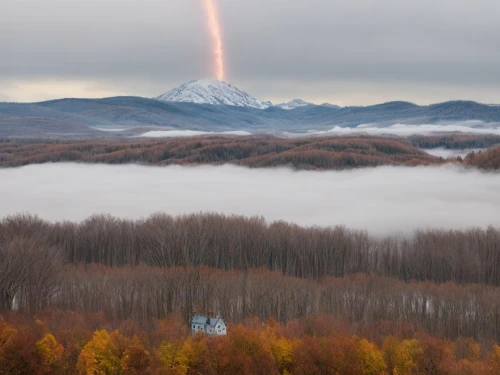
[(189, 133), (446, 153), (407, 130), (382, 200)]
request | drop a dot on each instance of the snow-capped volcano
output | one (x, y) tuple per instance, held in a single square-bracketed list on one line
[(211, 91), (296, 103)]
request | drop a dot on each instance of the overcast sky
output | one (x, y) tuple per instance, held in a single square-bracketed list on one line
[(339, 51)]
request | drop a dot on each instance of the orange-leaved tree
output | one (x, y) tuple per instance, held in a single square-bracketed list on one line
[(135, 358)]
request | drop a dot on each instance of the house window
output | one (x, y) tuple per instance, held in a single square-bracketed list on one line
[(194, 326)]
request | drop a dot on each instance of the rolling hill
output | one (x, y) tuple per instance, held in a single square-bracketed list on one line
[(133, 112)]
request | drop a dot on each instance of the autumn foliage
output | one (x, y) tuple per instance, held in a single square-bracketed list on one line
[(112, 296), (249, 348), (442, 282), (256, 151), (313, 153)]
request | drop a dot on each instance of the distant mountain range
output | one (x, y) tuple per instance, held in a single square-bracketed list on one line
[(216, 106)]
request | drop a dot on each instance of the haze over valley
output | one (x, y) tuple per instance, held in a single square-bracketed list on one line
[(377, 200)]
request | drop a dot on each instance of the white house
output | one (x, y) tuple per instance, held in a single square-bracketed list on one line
[(208, 326)]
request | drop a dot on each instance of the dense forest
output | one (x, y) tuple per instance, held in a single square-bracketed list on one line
[(442, 282), (257, 151), (70, 343), (319, 153)]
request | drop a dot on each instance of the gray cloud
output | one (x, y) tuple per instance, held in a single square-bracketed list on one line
[(421, 50), (382, 200)]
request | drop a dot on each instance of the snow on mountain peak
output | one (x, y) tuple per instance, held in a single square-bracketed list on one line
[(296, 103), (212, 91)]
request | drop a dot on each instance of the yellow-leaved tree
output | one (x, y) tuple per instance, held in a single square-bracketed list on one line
[(401, 357), (172, 360), (192, 353), (8, 349), (495, 360), (51, 353), (100, 356), (282, 349), (372, 357)]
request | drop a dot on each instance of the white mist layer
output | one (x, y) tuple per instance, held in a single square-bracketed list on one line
[(452, 153), (382, 200), (188, 133), (402, 130)]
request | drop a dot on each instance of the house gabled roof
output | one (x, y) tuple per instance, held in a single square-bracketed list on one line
[(200, 319)]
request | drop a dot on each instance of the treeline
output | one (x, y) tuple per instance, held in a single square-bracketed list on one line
[(455, 141), (238, 243), (489, 160), (69, 345), (313, 153), (256, 151)]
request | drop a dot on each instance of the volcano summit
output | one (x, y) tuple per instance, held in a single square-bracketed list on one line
[(214, 92)]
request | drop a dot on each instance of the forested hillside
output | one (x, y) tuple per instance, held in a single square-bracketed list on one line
[(443, 282), (116, 296), (259, 151), (318, 153)]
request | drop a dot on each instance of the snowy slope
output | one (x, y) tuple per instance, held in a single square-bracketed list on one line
[(211, 91), (296, 103)]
